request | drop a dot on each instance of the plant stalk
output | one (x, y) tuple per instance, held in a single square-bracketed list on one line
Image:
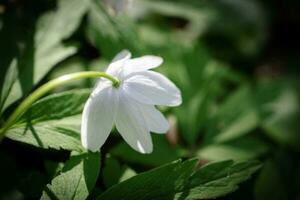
[(41, 91)]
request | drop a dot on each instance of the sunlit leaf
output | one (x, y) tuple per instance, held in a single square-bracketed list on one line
[(52, 122), (46, 49), (181, 180), (110, 34), (77, 178), (9, 79)]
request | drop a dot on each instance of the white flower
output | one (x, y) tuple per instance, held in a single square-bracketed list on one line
[(131, 106)]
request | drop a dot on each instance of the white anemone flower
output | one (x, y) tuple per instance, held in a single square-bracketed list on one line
[(130, 105)]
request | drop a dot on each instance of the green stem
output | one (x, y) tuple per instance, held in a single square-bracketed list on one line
[(41, 91)]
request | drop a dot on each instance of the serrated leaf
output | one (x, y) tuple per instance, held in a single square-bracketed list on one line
[(56, 106), (52, 122), (53, 134), (220, 178), (180, 180), (160, 182), (46, 49), (76, 180)]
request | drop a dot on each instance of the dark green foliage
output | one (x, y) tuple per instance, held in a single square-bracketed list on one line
[(76, 179), (53, 122), (236, 63), (180, 180)]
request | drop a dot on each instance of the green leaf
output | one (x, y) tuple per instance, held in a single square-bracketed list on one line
[(205, 86), (53, 168), (279, 102), (110, 34), (52, 122), (180, 180), (236, 117), (11, 36), (113, 172), (243, 125), (160, 182), (9, 79), (127, 173), (243, 148), (220, 178), (77, 178), (46, 49)]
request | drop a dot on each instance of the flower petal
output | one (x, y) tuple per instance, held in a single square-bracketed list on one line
[(124, 54), (142, 63), (118, 62), (98, 116), (152, 88), (155, 120), (132, 126)]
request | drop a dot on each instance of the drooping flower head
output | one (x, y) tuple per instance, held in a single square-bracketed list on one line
[(130, 105)]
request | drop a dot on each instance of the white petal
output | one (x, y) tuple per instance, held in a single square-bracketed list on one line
[(132, 126), (142, 64), (98, 116), (152, 88), (118, 62), (124, 54), (155, 120)]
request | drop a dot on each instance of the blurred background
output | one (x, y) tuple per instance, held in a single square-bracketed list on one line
[(235, 61)]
